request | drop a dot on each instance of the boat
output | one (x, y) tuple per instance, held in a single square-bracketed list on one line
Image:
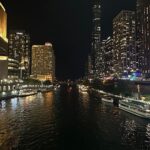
[(136, 107), (27, 92), (107, 99)]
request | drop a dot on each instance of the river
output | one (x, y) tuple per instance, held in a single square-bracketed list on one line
[(68, 120)]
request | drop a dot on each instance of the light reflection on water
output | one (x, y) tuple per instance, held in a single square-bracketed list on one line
[(128, 132), (14, 102), (69, 121)]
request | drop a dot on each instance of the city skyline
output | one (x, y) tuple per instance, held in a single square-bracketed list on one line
[(51, 27), (75, 75)]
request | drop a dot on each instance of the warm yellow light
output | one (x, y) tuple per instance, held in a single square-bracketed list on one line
[(3, 58), (2, 6), (4, 38), (3, 23), (44, 77), (35, 46)]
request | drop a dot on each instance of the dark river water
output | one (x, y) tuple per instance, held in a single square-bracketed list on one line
[(69, 120)]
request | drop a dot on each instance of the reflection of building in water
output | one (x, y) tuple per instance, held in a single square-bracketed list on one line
[(128, 135), (48, 100), (8, 136), (147, 141), (85, 99), (14, 103)]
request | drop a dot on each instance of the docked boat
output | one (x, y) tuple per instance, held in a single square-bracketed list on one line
[(137, 107), (107, 99), (24, 93)]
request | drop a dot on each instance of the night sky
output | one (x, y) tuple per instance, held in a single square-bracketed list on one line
[(64, 23)]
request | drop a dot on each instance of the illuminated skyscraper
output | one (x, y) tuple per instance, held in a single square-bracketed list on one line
[(108, 56), (3, 23), (143, 35), (96, 38), (124, 51), (3, 43), (43, 62), (19, 50)]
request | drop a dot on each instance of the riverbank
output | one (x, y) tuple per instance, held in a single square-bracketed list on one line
[(21, 93)]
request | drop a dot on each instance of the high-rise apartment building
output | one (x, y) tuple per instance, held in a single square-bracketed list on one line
[(19, 54), (96, 37), (108, 56), (100, 61), (43, 62), (143, 35), (124, 51)]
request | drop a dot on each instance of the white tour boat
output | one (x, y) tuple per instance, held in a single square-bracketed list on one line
[(137, 107), (26, 92)]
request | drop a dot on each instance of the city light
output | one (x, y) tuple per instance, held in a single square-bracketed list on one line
[(88, 88), (3, 58)]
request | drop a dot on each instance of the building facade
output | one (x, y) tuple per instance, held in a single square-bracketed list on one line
[(3, 23), (3, 43), (19, 54), (108, 57), (96, 37), (124, 51), (143, 36), (43, 62)]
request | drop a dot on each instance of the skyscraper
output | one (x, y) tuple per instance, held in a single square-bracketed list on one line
[(143, 35), (19, 50), (43, 62), (96, 37), (124, 51), (108, 56), (3, 23), (3, 43), (100, 60)]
